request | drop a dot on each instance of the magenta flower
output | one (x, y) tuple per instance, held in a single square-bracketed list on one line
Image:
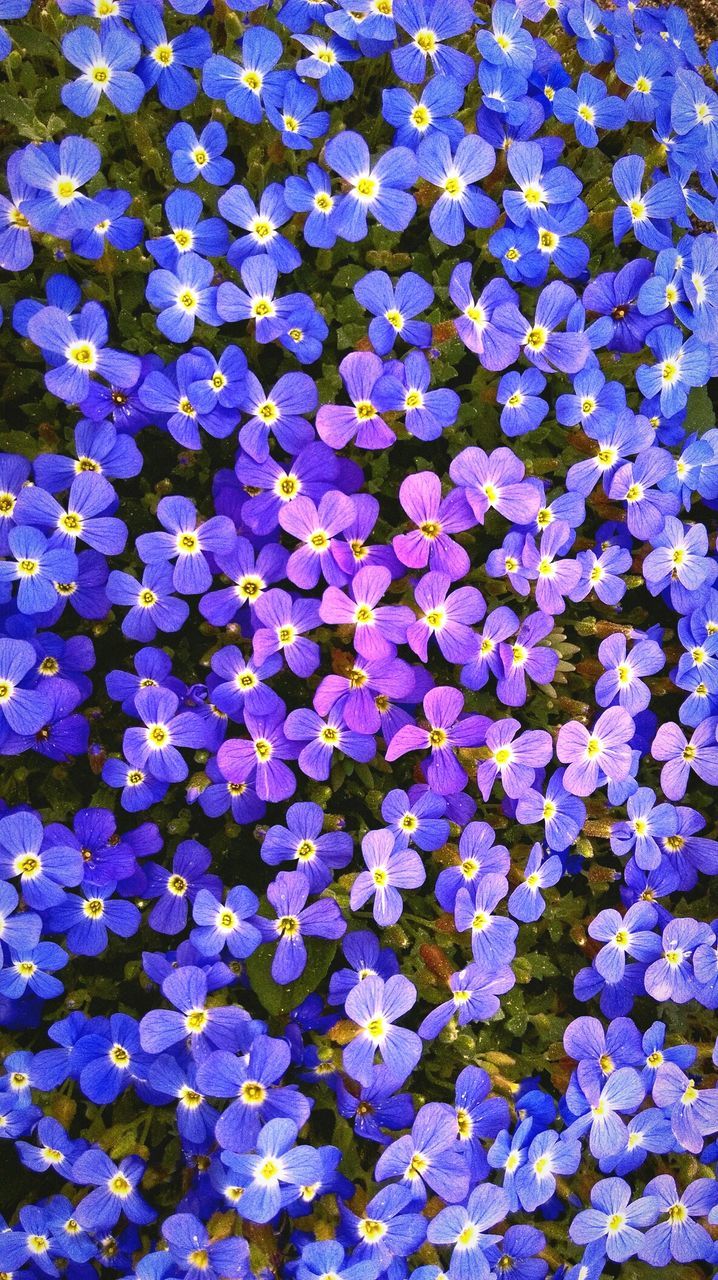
[(700, 755), (435, 518), (594, 757), (514, 760), (445, 734), (377, 629)]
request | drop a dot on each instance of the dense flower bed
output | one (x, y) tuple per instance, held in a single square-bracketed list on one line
[(359, 640)]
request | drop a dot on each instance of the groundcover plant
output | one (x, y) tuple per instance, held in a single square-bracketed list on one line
[(358, 640)]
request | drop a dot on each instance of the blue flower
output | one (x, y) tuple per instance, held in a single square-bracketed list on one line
[(57, 172), (183, 296), (589, 108), (166, 62), (428, 26), (295, 118), (208, 238), (457, 176), (270, 1175), (324, 64), (200, 156), (106, 62), (434, 111), (247, 85), (379, 189), (115, 1191), (261, 224), (77, 348)]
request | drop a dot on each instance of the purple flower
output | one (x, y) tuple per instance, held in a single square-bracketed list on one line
[(514, 760), (376, 1006), (323, 737), (316, 526), (526, 657), (377, 629), (282, 624), (693, 1111), (152, 608), (622, 682), (447, 616), (390, 867), (635, 484), (596, 756), (359, 695), (428, 1156), (475, 325), (539, 339), (301, 841), (155, 746), (628, 935), (492, 937), (681, 756), (259, 760), (338, 424), (435, 519), (555, 577), (294, 921), (495, 481), (671, 976)]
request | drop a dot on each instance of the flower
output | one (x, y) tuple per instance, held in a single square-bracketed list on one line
[(294, 921), (164, 65), (390, 867), (435, 518), (375, 1006), (464, 1227), (594, 756), (77, 348), (428, 1156), (115, 1190), (446, 732), (202, 155), (380, 189), (184, 295), (106, 62), (457, 176), (615, 1219), (699, 755), (394, 308), (54, 173)]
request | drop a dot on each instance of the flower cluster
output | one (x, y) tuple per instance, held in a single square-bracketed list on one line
[(359, 640)]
